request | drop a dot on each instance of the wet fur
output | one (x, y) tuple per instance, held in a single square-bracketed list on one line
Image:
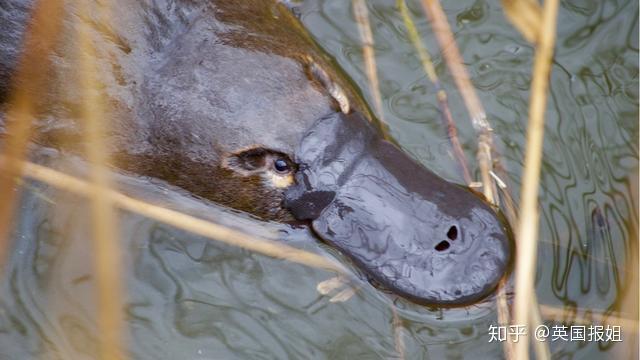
[(187, 84)]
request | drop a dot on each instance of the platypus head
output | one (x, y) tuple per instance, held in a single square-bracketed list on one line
[(231, 111), (413, 232)]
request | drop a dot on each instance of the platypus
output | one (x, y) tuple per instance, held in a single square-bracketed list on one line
[(234, 102)]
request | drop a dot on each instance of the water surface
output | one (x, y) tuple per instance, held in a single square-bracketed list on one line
[(192, 298)]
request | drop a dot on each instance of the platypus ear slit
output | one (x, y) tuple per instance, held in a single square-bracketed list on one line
[(316, 73)]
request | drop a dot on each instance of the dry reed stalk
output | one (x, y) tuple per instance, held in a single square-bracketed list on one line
[(182, 221), (344, 294), (107, 252), (397, 333), (443, 103), (452, 56), (507, 202), (540, 347), (527, 229), (30, 76), (335, 283), (361, 15), (343, 286), (525, 15), (504, 317), (502, 309)]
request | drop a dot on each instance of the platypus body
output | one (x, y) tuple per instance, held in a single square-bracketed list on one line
[(234, 102)]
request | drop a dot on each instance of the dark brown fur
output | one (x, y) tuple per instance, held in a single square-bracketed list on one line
[(188, 84)]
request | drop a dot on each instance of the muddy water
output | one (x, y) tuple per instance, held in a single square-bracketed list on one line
[(191, 298)]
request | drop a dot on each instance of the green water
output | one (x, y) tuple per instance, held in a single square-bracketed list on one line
[(190, 298)]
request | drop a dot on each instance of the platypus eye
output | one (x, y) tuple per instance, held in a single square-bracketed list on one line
[(281, 165), (260, 160)]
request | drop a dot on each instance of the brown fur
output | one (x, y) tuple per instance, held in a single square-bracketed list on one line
[(222, 185), (190, 84)]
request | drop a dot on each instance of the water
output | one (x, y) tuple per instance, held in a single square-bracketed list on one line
[(188, 297)]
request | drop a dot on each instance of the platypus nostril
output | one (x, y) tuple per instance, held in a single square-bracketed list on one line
[(442, 245), (452, 234)]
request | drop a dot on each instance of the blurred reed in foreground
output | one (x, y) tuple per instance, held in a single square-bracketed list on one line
[(179, 220), (107, 252), (28, 81)]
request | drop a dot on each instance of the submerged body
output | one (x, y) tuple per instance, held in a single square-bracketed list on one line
[(234, 102)]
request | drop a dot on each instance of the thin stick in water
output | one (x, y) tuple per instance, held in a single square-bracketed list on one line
[(361, 15), (502, 310), (540, 347), (460, 75), (398, 333), (527, 229), (443, 103)]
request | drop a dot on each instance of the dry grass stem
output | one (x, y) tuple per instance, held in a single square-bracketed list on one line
[(107, 251), (540, 347), (398, 333), (525, 15), (429, 69), (527, 229), (452, 56), (361, 15), (182, 221), (327, 286), (28, 80), (344, 295), (502, 309), (504, 317), (508, 205), (342, 285)]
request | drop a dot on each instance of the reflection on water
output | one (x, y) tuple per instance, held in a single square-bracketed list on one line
[(189, 297)]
